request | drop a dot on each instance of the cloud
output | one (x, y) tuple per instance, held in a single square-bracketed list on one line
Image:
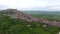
[(23, 3), (3, 7), (31, 4)]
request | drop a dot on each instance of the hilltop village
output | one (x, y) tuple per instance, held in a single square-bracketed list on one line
[(14, 13)]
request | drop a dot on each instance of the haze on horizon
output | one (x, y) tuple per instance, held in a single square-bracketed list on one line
[(40, 5)]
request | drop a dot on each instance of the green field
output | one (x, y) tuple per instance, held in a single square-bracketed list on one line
[(47, 15)]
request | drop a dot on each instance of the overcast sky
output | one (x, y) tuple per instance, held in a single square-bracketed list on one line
[(46, 5)]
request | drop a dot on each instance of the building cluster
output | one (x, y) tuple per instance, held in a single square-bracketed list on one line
[(29, 18)]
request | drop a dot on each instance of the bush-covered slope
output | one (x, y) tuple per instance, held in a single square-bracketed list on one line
[(15, 26)]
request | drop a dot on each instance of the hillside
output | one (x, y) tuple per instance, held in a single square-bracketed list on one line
[(10, 24), (15, 26)]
